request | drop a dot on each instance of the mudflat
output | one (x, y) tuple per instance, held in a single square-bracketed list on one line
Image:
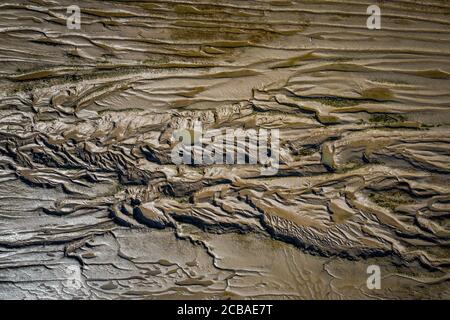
[(93, 207)]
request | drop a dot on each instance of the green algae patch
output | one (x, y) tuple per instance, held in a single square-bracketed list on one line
[(385, 118), (294, 61), (391, 199), (379, 94), (327, 119)]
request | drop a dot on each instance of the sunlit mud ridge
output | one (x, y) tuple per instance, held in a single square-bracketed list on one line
[(86, 178)]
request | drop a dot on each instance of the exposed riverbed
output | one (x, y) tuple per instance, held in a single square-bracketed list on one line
[(92, 207)]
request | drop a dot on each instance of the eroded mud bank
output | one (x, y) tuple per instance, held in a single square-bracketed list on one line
[(86, 178)]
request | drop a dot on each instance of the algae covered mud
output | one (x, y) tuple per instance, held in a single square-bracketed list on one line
[(93, 207)]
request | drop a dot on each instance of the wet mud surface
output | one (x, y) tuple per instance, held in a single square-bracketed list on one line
[(88, 190)]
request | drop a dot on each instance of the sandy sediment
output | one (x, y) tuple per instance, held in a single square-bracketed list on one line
[(86, 178)]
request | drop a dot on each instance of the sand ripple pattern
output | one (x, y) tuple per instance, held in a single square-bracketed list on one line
[(86, 179)]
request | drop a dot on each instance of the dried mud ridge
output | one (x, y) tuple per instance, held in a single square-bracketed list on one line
[(86, 179)]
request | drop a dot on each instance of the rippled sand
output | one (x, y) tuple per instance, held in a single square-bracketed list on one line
[(87, 183)]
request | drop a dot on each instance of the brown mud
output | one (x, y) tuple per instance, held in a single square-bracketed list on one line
[(86, 179)]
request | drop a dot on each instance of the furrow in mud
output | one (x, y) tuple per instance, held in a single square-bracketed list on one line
[(87, 119)]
